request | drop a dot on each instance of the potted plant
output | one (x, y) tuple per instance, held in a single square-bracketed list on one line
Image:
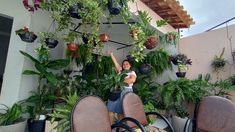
[(115, 6), (38, 102), (26, 35), (180, 58), (70, 39), (104, 37), (170, 38), (218, 61), (11, 118), (49, 38), (158, 59), (182, 68), (74, 10)]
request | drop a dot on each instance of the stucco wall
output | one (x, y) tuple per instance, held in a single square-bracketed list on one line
[(203, 47)]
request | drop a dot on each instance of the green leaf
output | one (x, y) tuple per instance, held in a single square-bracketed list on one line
[(30, 72), (41, 68), (29, 56), (51, 78), (58, 64)]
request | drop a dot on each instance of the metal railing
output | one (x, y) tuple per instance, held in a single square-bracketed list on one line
[(220, 24)]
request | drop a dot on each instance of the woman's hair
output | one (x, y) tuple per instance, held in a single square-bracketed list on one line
[(127, 61)]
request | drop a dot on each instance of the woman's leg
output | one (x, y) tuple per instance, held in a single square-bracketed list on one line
[(111, 117)]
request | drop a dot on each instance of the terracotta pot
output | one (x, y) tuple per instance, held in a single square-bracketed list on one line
[(72, 47), (104, 37), (151, 42)]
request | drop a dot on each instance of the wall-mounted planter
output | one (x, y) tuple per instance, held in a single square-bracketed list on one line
[(36, 125), (73, 11), (180, 74), (29, 37), (72, 47), (104, 37), (151, 43), (51, 43), (115, 7)]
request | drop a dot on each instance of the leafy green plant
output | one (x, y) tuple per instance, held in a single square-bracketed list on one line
[(11, 115), (170, 38), (218, 61), (62, 113), (144, 31), (159, 60), (114, 81)]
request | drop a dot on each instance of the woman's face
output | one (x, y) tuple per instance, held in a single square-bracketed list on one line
[(126, 65)]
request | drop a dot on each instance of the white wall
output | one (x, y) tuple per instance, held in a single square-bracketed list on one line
[(203, 47)]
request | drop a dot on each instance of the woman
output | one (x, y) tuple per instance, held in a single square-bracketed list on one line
[(116, 106)]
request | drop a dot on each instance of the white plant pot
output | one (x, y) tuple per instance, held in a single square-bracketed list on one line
[(18, 127), (178, 123)]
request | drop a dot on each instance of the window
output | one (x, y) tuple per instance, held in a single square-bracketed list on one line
[(5, 33)]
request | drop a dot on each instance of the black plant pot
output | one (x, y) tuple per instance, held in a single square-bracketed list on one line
[(114, 95), (180, 74), (51, 43), (36, 125), (73, 11), (115, 7), (28, 37), (145, 68), (85, 39), (174, 61)]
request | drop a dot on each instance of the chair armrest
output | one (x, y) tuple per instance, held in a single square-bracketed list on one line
[(162, 117), (122, 125), (134, 121), (187, 125)]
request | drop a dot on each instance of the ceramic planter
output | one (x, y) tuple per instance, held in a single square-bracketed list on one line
[(51, 43), (151, 43), (72, 47), (17, 127), (29, 37), (104, 37), (114, 7)]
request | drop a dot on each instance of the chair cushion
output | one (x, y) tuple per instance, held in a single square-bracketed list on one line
[(133, 107), (90, 115), (216, 114)]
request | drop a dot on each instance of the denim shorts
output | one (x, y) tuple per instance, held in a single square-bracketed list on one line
[(116, 106)]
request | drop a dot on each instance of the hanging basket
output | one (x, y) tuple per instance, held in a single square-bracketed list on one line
[(29, 37), (72, 47), (115, 7), (73, 11), (51, 43), (104, 37), (151, 43)]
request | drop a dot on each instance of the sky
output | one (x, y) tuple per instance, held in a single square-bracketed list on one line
[(207, 14)]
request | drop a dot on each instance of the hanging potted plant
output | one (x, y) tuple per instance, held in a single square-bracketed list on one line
[(104, 37), (145, 68), (49, 39), (115, 6), (182, 68), (180, 58), (70, 39), (218, 61), (74, 10), (26, 35)]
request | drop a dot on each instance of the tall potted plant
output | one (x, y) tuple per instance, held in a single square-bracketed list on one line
[(38, 101)]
